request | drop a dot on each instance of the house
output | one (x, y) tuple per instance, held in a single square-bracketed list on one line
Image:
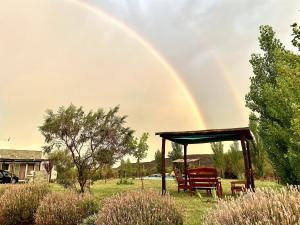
[(21, 162)]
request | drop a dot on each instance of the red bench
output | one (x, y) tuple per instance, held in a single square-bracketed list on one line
[(181, 182), (204, 179)]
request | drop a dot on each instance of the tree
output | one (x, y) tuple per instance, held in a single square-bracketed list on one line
[(258, 153), (176, 152), (218, 157), (128, 167), (63, 163), (235, 160), (274, 98), (93, 139), (140, 152), (157, 159)]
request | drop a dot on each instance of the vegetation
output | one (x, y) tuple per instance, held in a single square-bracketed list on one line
[(88, 137), (68, 208), (140, 147), (218, 157), (19, 203), (140, 207), (66, 171), (176, 152), (274, 97), (265, 206), (157, 159)]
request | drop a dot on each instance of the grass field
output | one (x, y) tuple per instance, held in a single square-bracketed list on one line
[(193, 207)]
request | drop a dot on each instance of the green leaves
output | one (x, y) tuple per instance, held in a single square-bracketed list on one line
[(275, 98)]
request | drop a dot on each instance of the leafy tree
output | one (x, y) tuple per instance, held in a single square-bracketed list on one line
[(93, 139), (235, 158), (63, 163), (274, 98), (128, 167), (218, 157), (157, 159), (140, 147), (176, 152), (258, 153), (296, 35)]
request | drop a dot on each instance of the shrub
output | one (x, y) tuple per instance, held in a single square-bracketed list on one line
[(265, 206), (65, 208), (139, 207), (91, 220), (19, 203)]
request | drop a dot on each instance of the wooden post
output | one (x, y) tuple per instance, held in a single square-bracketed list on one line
[(246, 162), (250, 165), (185, 162), (163, 167)]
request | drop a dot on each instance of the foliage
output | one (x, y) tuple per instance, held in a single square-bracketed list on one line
[(157, 159), (176, 152), (261, 164), (18, 204), (296, 35), (140, 147), (140, 207), (274, 97), (265, 206), (125, 181), (218, 157), (90, 220), (68, 208), (66, 172), (93, 139), (234, 161)]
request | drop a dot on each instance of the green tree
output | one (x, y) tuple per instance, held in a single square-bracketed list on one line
[(218, 157), (274, 98), (128, 167), (93, 139), (235, 158), (258, 154), (176, 152), (157, 159), (63, 164), (140, 147)]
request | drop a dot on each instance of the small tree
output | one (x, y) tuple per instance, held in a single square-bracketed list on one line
[(234, 160), (93, 139), (218, 157), (66, 172), (157, 159), (48, 167), (140, 152), (128, 168)]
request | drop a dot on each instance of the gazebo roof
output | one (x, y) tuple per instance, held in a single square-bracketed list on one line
[(206, 136)]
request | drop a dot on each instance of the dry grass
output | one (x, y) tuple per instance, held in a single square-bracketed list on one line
[(266, 206), (140, 207)]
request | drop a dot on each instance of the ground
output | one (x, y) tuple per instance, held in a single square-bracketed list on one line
[(193, 207)]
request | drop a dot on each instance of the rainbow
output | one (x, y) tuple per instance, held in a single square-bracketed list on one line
[(173, 73)]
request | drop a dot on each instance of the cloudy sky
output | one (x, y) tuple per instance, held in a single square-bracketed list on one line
[(169, 64)]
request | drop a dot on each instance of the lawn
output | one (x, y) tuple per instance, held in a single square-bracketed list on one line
[(193, 207)]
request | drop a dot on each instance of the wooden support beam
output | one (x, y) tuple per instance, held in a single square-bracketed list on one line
[(246, 162), (163, 167), (185, 162), (250, 165)]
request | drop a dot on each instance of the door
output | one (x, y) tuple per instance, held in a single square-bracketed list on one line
[(22, 171)]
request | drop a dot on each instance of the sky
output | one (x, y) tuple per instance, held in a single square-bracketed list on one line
[(169, 64)]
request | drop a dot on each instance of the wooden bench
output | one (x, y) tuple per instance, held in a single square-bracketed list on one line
[(204, 179), (181, 182), (237, 186)]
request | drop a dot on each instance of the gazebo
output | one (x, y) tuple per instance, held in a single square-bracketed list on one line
[(207, 136)]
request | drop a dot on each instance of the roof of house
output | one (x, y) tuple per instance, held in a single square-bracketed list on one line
[(14, 154)]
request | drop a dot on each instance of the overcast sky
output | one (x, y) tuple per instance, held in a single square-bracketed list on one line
[(54, 52)]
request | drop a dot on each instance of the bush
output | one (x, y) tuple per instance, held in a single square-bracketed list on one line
[(265, 206), (139, 207), (19, 203), (65, 208), (91, 220)]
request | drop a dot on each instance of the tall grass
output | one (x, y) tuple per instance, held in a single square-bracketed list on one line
[(266, 206)]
